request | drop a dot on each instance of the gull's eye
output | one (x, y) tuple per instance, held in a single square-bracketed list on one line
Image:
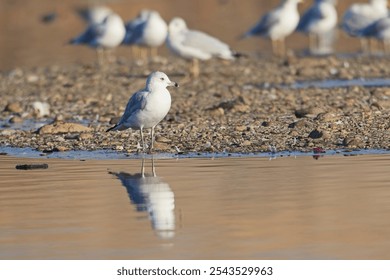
[(162, 79)]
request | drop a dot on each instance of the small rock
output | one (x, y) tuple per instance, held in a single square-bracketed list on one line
[(62, 127), (246, 143), (32, 78), (32, 166), (327, 117), (299, 124), (85, 136), (61, 149), (301, 113), (162, 139), (14, 107), (16, 119), (241, 128), (353, 142), (315, 134), (7, 132)]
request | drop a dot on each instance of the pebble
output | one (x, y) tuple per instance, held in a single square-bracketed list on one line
[(14, 107), (62, 127)]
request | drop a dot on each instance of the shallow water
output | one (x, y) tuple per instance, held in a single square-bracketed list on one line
[(226, 208), (337, 83)]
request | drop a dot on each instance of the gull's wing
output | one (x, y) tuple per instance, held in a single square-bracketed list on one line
[(312, 14), (204, 42), (136, 103), (90, 35), (266, 22), (375, 28), (134, 31)]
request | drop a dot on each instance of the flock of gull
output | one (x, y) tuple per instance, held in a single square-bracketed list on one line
[(106, 29), (148, 31)]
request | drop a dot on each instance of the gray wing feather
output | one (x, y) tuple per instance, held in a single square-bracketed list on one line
[(136, 103), (312, 14), (266, 22), (90, 35), (203, 41), (134, 31)]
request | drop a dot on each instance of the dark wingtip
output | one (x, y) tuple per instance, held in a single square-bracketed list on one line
[(111, 128), (238, 54)]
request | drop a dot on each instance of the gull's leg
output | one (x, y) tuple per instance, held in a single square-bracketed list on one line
[(312, 43), (153, 168), (134, 51), (142, 139), (364, 45), (111, 56), (282, 48), (100, 56), (195, 68), (152, 136), (386, 46), (143, 167), (143, 53)]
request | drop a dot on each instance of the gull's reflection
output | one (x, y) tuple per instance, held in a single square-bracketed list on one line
[(150, 194)]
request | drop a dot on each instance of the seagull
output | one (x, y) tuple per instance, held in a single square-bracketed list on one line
[(319, 21), (147, 107), (149, 193), (379, 30), (148, 29), (195, 45), (360, 15), (277, 25), (107, 34)]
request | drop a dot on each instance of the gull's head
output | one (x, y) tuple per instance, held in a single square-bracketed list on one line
[(177, 25), (159, 80)]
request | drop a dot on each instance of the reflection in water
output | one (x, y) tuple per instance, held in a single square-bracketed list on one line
[(149, 193)]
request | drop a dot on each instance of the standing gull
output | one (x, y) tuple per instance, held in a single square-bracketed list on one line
[(147, 30), (277, 25), (319, 22), (195, 45), (107, 34), (360, 15), (379, 30), (147, 107)]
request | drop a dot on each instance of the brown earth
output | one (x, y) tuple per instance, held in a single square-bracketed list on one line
[(242, 106)]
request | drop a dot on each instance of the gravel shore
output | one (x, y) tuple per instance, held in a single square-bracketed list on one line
[(250, 105)]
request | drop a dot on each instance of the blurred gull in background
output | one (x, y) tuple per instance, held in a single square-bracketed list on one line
[(147, 30), (107, 34), (360, 15), (195, 45), (379, 30), (277, 24), (319, 23)]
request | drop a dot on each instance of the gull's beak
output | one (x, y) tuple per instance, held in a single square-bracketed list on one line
[(173, 84)]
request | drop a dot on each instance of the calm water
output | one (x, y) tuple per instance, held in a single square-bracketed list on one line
[(238, 208)]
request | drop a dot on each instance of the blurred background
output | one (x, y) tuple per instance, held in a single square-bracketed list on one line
[(35, 33)]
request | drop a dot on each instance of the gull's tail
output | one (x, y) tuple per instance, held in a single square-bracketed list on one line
[(112, 128)]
